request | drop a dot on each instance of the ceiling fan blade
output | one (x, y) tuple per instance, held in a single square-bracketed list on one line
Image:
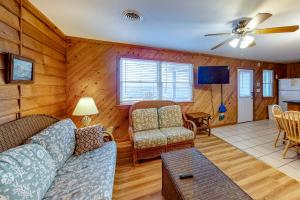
[(282, 29), (252, 44), (222, 43), (217, 34), (258, 19)]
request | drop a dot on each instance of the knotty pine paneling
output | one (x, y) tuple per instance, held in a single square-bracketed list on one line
[(92, 71), (293, 70), (92, 68), (33, 36)]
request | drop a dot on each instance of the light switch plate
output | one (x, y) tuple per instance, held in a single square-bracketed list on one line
[(257, 90)]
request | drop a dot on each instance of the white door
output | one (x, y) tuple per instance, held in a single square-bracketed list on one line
[(245, 95)]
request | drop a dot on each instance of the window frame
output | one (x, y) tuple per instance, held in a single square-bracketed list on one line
[(272, 83), (118, 86)]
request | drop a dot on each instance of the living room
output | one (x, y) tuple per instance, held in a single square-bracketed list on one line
[(218, 81)]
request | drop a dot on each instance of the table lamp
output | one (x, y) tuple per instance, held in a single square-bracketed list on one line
[(86, 106)]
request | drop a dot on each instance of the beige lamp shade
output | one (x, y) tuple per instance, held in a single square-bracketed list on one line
[(85, 106)]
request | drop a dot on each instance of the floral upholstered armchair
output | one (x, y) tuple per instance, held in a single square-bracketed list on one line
[(158, 126)]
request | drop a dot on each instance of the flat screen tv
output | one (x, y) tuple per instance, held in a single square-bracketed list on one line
[(213, 75)]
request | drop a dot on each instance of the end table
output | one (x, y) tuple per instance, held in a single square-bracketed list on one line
[(201, 120)]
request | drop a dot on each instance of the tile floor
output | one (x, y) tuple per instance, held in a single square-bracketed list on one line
[(257, 139)]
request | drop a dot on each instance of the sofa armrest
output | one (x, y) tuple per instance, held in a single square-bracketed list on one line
[(108, 136), (191, 126)]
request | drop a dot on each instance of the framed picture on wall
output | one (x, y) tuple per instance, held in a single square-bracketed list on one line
[(19, 69)]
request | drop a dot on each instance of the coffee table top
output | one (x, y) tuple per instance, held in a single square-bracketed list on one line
[(208, 183)]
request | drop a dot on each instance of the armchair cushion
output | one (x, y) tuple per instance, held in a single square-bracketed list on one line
[(177, 134), (170, 116), (144, 119), (148, 139)]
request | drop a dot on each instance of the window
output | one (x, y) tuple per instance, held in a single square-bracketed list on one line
[(267, 83), (245, 81), (154, 80)]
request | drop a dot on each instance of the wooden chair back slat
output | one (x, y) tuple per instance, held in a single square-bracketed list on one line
[(277, 111), (291, 123)]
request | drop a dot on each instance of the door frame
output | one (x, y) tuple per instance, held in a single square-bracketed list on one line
[(237, 92)]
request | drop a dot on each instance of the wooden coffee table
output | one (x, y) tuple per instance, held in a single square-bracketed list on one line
[(208, 183)]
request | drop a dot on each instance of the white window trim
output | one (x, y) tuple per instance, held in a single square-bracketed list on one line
[(159, 83)]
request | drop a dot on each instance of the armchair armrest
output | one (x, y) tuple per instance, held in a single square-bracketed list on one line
[(191, 126), (130, 132)]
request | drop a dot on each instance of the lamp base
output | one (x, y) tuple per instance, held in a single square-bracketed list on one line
[(86, 120)]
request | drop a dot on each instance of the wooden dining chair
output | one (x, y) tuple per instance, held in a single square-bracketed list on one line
[(291, 123), (277, 111)]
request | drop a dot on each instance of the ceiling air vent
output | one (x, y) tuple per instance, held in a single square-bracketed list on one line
[(132, 15)]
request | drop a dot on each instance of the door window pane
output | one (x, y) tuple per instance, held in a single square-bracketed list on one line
[(245, 84)]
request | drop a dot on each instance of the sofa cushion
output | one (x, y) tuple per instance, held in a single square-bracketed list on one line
[(26, 172), (144, 119), (58, 139), (87, 176), (148, 139), (88, 138), (170, 116), (177, 134)]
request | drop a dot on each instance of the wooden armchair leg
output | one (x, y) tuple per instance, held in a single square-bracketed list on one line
[(284, 138), (286, 149), (277, 138), (193, 143)]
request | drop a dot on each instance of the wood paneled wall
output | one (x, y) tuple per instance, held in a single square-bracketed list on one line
[(92, 67), (90, 70), (293, 70), (26, 31)]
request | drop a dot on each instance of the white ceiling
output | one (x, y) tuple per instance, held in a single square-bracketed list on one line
[(179, 24)]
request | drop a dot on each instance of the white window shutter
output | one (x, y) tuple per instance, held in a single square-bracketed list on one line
[(177, 81), (154, 80), (138, 80)]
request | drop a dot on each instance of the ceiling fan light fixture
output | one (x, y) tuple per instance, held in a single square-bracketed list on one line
[(246, 41), (233, 43)]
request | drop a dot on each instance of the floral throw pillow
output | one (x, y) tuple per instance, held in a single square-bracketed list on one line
[(26, 172), (58, 139), (170, 116), (88, 138)]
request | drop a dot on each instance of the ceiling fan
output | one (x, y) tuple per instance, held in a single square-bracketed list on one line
[(243, 29)]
